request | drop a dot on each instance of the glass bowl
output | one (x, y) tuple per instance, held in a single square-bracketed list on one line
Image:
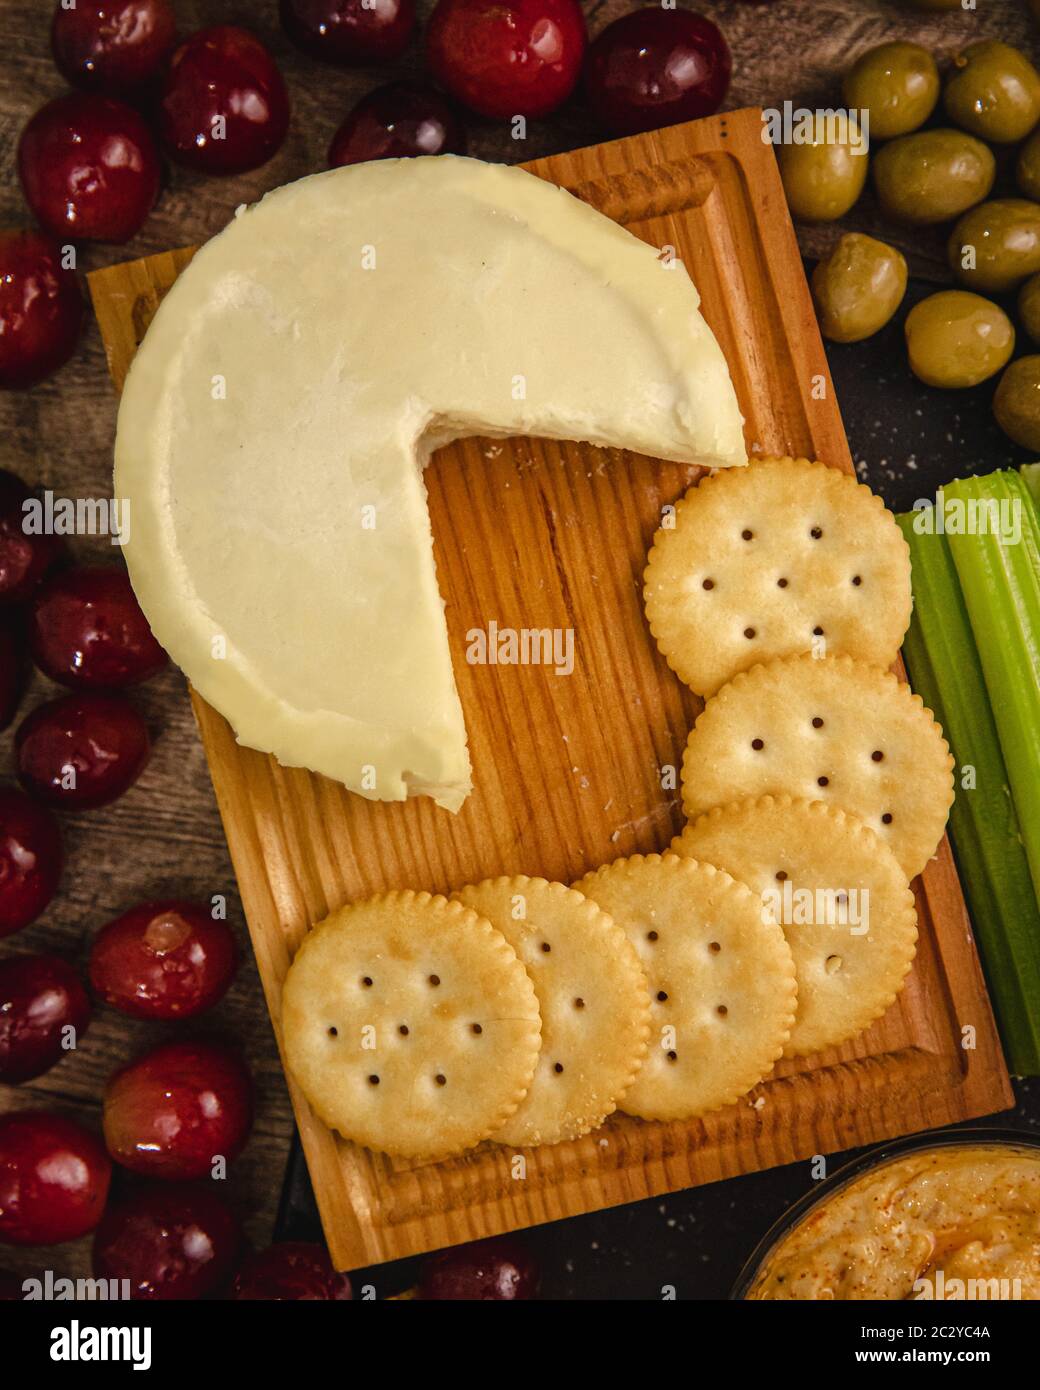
[(867, 1163)]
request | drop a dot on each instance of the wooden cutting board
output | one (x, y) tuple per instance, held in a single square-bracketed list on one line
[(568, 769)]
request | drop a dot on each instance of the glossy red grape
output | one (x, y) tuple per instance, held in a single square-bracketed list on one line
[(170, 1113), (172, 1242), (41, 308), (507, 57), (224, 106), (349, 31), (395, 121), (498, 1270), (54, 1179), (87, 631), (25, 556), (14, 667), (41, 998), (655, 67), (290, 1271), (112, 46), (89, 168), (81, 751), (163, 960), (30, 860)]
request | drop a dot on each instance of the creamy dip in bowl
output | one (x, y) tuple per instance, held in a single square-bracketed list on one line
[(954, 1216)]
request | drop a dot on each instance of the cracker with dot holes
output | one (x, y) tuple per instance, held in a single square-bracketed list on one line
[(722, 981), (410, 1025), (813, 864), (781, 557), (592, 997), (830, 729)]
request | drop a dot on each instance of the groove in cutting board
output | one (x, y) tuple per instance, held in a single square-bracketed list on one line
[(567, 769)]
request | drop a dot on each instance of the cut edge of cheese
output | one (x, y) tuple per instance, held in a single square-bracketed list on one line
[(303, 368)]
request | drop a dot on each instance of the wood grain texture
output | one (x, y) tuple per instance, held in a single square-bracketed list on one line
[(568, 770)]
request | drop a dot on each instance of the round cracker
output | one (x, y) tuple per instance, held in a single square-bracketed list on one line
[(781, 557), (815, 853), (410, 1025), (722, 981), (832, 730), (592, 997)]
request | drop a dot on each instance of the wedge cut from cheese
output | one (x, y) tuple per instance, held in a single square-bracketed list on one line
[(278, 415)]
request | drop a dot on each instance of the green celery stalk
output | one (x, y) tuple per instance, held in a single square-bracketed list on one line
[(944, 666), (1001, 587), (1031, 477)]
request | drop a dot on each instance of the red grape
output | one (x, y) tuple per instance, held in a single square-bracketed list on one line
[(224, 106), (82, 750), (655, 67), (25, 557), (30, 860), (40, 997), (54, 1179), (172, 1242), (172, 1112), (112, 46), (392, 122), (349, 31), (485, 1270), (290, 1271), (507, 57), (14, 668), (87, 631), (41, 308), (163, 960), (89, 168)]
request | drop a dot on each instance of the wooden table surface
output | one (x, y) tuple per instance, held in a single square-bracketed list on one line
[(164, 837)]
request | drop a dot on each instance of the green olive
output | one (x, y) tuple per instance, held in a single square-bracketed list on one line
[(1017, 402), (824, 178), (956, 339), (858, 288), (994, 91), (1027, 171), (898, 83), (1029, 307), (933, 176), (996, 246)]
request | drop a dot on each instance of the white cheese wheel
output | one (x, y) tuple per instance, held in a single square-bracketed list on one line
[(278, 415)]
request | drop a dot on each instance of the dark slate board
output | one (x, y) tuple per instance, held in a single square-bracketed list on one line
[(907, 438)]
